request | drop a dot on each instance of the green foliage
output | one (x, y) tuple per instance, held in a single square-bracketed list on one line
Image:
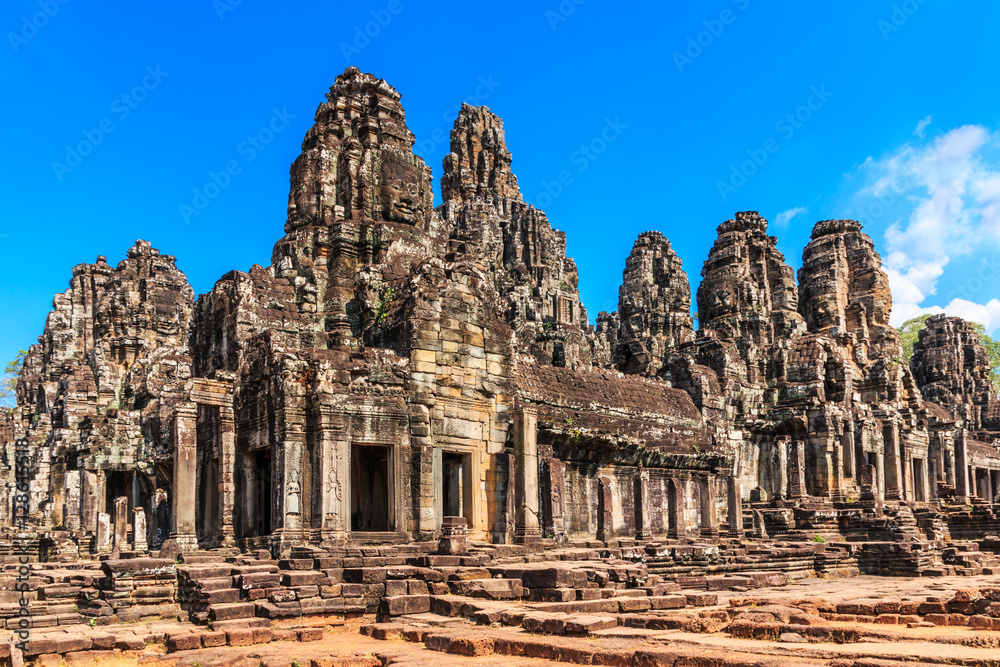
[(910, 333), (8, 383), (819, 539), (993, 350), (384, 301)]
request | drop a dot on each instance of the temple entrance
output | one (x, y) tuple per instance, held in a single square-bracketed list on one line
[(208, 491), (370, 488), (455, 482), (260, 487)]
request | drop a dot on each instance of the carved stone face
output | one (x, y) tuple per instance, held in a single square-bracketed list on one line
[(399, 193)]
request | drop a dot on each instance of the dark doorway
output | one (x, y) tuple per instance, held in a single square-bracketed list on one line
[(451, 484), (369, 488), (118, 484), (262, 484), (209, 494)]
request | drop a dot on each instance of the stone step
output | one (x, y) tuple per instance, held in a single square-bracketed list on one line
[(214, 584), (220, 596), (490, 589), (230, 611), (240, 624), (207, 571)]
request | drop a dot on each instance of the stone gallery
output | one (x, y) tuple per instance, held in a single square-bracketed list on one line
[(412, 382)]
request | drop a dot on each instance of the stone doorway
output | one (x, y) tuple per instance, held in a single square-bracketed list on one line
[(256, 494), (208, 524), (456, 485), (370, 486)]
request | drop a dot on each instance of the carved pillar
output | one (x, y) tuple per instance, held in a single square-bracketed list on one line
[(139, 530), (933, 469), (227, 475), (182, 524), (605, 518), (121, 523), (675, 510), (847, 447), (74, 498), (734, 502), (709, 523), (103, 532), (797, 470), (92, 498), (552, 497), (526, 527), (643, 526), (861, 444), (781, 446), (837, 478), (331, 469), (962, 490), (891, 462)]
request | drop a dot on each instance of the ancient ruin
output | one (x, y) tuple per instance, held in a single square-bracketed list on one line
[(409, 413)]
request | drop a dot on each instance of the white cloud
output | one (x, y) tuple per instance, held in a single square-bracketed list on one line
[(786, 216), (921, 129), (942, 197)]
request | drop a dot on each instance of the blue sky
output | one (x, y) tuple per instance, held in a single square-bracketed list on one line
[(883, 111)]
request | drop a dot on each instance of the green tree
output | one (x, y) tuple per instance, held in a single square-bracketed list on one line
[(910, 333), (9, 381), (993, 350)]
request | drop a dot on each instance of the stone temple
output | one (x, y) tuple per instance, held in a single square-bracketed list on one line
[(405, 382)]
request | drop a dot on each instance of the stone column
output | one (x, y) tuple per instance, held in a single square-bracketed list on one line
[(709, 523), (781, 446), (933, 472), (103, 532), (552, 497), (74, 498), (735, 508), (91, 498), (227, 475), (526, 527), (962, 487), (797, 470), (331, 510), (643, 526), (847, 447), (121, 523), (182, 525), (676, 529), (891, 462), (837, 465), (139, 530), (605, 518), (867, 481), (861, 444)]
